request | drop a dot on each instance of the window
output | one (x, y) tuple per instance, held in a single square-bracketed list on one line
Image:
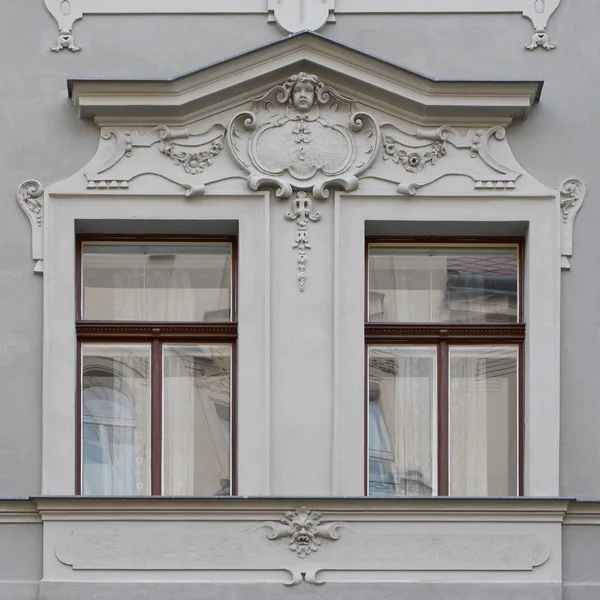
[(444, 337), (156, 338)]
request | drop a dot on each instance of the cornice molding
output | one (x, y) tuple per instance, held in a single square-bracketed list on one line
[(298, 15), (64, 508), (341, 65), (18, 510)]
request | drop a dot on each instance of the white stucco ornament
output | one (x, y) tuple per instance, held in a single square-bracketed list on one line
[(572, 195), (538, 12), (304, 135), (296, 15), (30, 196), (304, 527)]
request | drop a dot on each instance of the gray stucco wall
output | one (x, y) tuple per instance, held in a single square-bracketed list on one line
[(44, 139)]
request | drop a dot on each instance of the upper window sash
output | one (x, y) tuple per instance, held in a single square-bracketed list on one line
[(156, 281), (444, 283)]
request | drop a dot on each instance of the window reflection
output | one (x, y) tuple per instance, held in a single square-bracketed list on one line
[(156, 282), (115, 420), (401, 428), (443, 285), (197, 419)]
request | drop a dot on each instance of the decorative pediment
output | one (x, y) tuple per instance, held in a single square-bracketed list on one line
[(352, 72), (304, 116)]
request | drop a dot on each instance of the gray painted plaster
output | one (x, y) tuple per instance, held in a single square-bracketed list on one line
[(44, 139), (330, 591), (580, 565), (20, 552)]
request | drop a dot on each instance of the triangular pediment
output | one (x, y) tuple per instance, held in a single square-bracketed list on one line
[(368, 79)]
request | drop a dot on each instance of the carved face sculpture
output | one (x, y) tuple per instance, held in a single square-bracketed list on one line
[(303, 95), (303, 531)]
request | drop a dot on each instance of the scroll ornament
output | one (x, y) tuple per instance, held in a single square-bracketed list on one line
[(303, 136), (31, 200), (572, 194)]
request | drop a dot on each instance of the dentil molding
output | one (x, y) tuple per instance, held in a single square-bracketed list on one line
[(298, 15)]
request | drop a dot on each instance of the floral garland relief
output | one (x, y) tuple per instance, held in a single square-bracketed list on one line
[(414, 161), (192, 162)]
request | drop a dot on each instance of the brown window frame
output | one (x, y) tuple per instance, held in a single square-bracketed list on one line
[(155, 334), (441, 335)]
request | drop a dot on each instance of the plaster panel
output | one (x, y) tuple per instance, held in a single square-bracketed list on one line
[(212, 541)]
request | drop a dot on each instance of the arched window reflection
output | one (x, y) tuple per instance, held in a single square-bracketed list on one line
[(115, 425)]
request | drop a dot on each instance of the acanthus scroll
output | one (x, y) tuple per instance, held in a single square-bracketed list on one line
[(572, 193), (65, 42), (30, 199)]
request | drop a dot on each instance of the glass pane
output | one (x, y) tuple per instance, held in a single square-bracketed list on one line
[(196, 420), (115, 419), (443, 284), (402, 420), (483, 408), (156, 282)]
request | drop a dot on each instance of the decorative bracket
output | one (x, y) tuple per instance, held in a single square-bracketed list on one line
[(572, 194), (30, 199), (304, 527), (538, 12)]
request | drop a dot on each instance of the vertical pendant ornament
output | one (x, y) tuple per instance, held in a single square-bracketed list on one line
[(302, 213)]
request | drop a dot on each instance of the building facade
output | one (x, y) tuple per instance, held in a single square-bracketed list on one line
[(297, 300)]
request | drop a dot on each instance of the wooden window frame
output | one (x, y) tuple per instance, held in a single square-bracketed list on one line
[(442, 335), (156, 334)]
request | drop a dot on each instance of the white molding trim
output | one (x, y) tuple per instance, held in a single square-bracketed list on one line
[(298, 15), (224, 160), (18, 510)]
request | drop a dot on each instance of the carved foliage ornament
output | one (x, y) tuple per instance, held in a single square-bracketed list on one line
[(31, 200), (572, 194), (304, 527)]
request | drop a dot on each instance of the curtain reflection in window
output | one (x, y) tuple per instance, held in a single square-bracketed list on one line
[(115, 427), (402, 409)]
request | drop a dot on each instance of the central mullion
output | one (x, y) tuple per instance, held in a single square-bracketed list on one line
[(443, 419), (156, 418)]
